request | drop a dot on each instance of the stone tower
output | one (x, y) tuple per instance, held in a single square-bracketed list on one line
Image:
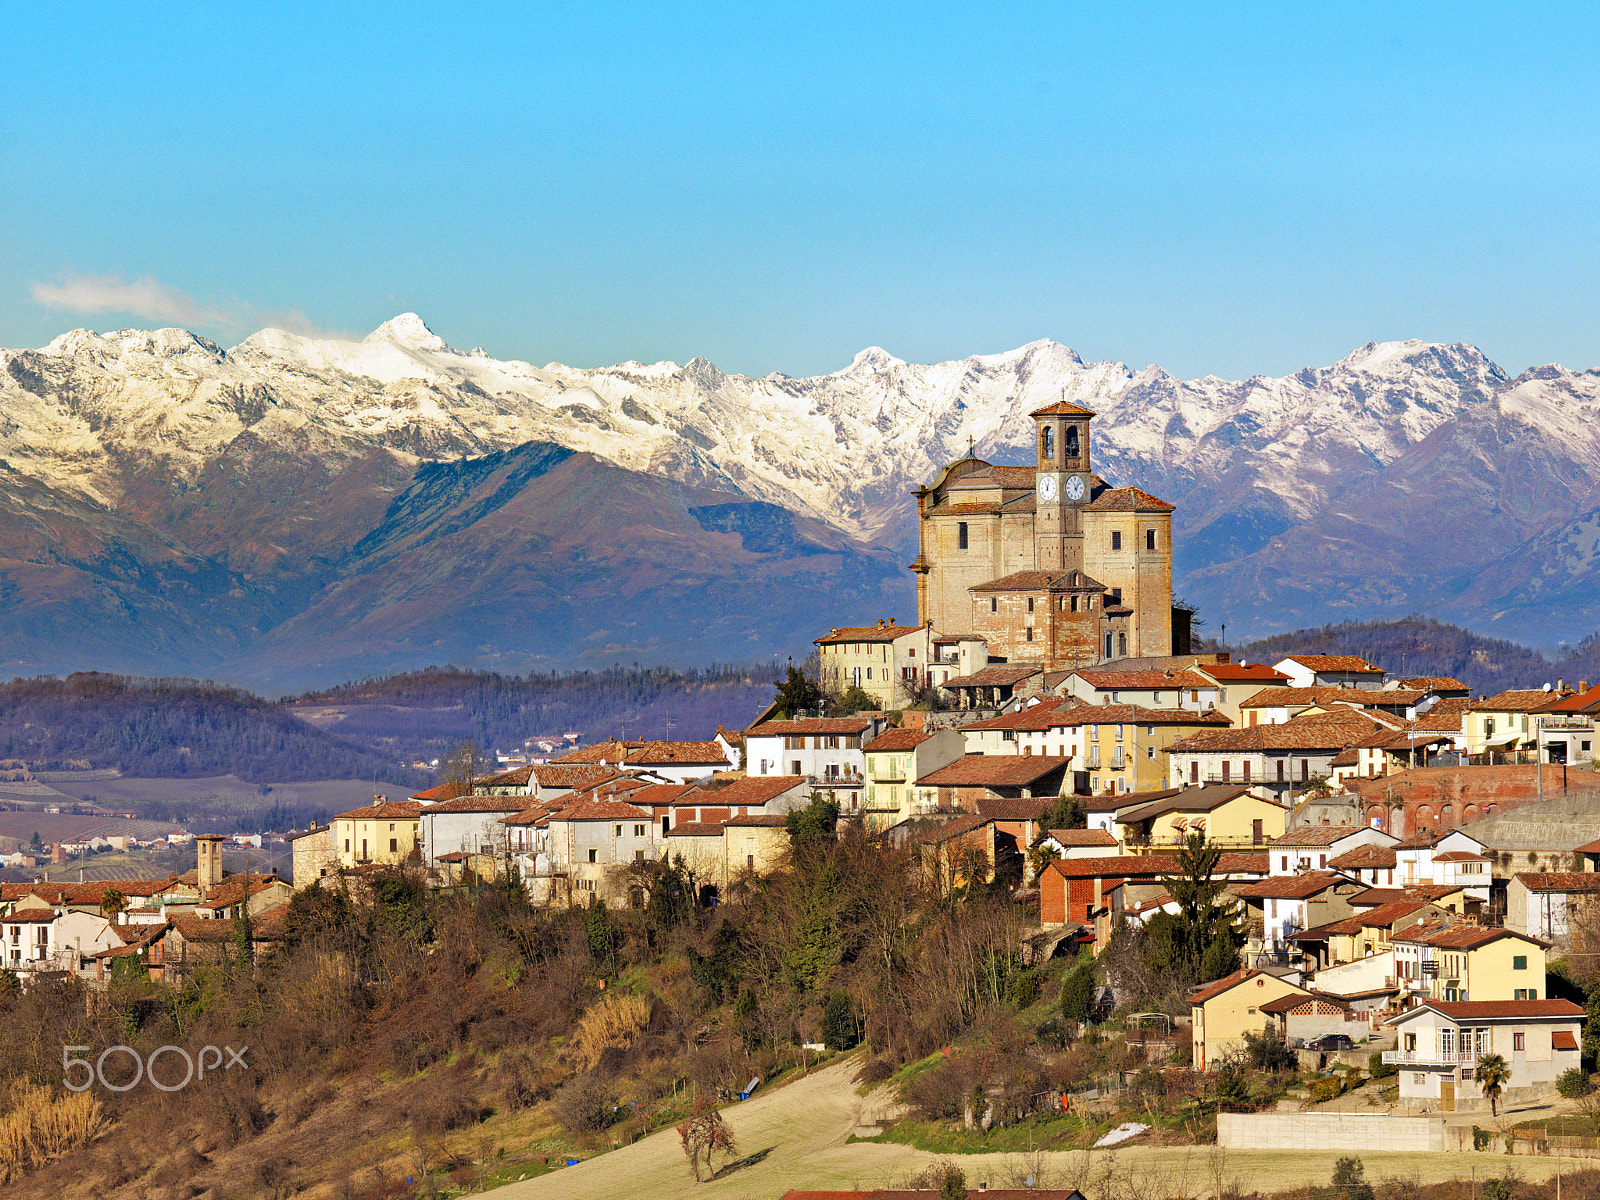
[(208, 871), (1063, 485)]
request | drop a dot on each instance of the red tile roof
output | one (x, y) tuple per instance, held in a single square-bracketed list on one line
[(1126, 499), (993, 677), (516, 777), (600, 810), (995, 770), (1062, 408), (1319, 731), (389, 810), (1524, 700), (1105, 680), (661, 795), (1244, 862), (1074, 717), (1086, 837), (1334, 662), (1228, 982), (695, 829), (1317, 835), (954, 829), (1364, 858), (1289, 887), (867, 633), (1459, 937), (695, 754), (474, 804), (1112, 867), (753, 791), (1040, 581), (1468, 1010), (1242, 672), (1560, 881), (1035, 717), (574, 776), (896, 739), (810, 725)]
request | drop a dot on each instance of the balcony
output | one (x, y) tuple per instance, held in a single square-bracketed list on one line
[(1431, 1058)]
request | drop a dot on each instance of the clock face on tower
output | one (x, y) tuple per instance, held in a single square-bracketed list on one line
[(1047, 487), (1075, 487)]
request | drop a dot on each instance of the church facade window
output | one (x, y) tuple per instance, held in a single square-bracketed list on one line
[(961, 534), (1149, 539), (1116, 539), (1047, 443), (1070, 443)]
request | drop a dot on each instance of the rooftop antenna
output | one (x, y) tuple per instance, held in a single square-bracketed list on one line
[(669, 724)]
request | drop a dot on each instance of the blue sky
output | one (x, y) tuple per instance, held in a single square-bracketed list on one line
[(1223, 189)]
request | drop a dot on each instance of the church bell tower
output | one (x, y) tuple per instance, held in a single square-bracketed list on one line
[(1062, 485)]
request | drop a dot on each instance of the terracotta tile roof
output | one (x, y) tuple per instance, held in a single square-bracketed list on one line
[(1041, 581), (1012, 808), (574, 776), (1287, 1004), (389, 810), (1242, 673), (1317, 835), (1432, 683), (1334, 662), (1526, 700), (1345, 758), (1319, 731), (994, 770), (1113, 866), (1589, 848), (1206, 798), (1578, 702), (695, 754), (954, 829), (896, 739), (1468, 1010), (1321, 695), (1126, 499), (1428, 838), (1459, 937), (993, 677), (1244, 862), (695, 829), (1086, 837), (1560, 881), (1034, 718), (866, 633), (1460, 856), (1385, 915), (516, 777), (1104, 680), (753, 791), (662, 795), (1062, 408), (1445, 716), (474, 804), (794, 728), (601, 810), (1349, 927), (1228, 982), (239, 887), (1372, 897), (611, 751), (1075, 717), (445, 791), (1364, 858), (1289, 887)]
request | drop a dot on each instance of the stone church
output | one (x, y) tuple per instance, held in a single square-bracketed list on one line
[(1047, 564)]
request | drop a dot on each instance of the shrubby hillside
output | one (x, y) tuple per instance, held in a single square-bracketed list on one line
[(1418, 645), (173, 728)]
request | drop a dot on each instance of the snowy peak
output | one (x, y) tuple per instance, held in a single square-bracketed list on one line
[(408, 330)]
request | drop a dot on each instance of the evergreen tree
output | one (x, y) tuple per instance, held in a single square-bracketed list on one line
[(797, 693), (1205, 913)]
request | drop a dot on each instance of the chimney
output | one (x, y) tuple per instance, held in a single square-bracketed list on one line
[(377, 802)]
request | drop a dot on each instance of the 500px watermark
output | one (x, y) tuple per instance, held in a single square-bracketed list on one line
[(210, 1058)]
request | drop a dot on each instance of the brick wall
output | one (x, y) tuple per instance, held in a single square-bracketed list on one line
[(1450, 797)]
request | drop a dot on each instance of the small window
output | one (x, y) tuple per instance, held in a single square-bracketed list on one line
[(1149, 539), (961, 535), (394, 846), (638, 831), (1030, 633), (1518, 1041), (619, 831), (1030, 603), (1116, 539), (994, 604), (594, 856), (1519, 962)]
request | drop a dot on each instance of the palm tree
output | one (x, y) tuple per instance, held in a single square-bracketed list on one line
[(1493, 1073), (112, 902)]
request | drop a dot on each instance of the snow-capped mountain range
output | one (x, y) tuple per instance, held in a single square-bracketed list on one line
[(1407, 476)]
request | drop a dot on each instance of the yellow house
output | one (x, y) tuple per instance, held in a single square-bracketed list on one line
[(1506, 722), (1226, 814), (1226, 1010), (387, 832), (1121, 747), (1469, 962)]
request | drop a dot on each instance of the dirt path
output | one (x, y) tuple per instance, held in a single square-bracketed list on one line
[(795, 1136)]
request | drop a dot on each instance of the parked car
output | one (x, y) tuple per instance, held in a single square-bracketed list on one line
[(1330, 1041)]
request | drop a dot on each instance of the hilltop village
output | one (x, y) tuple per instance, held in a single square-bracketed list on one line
[(1393, 868)]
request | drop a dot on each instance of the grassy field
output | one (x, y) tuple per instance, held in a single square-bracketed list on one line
[(799, 1137)]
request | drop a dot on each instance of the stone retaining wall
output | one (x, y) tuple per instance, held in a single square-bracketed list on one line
[(1338, 1131)]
